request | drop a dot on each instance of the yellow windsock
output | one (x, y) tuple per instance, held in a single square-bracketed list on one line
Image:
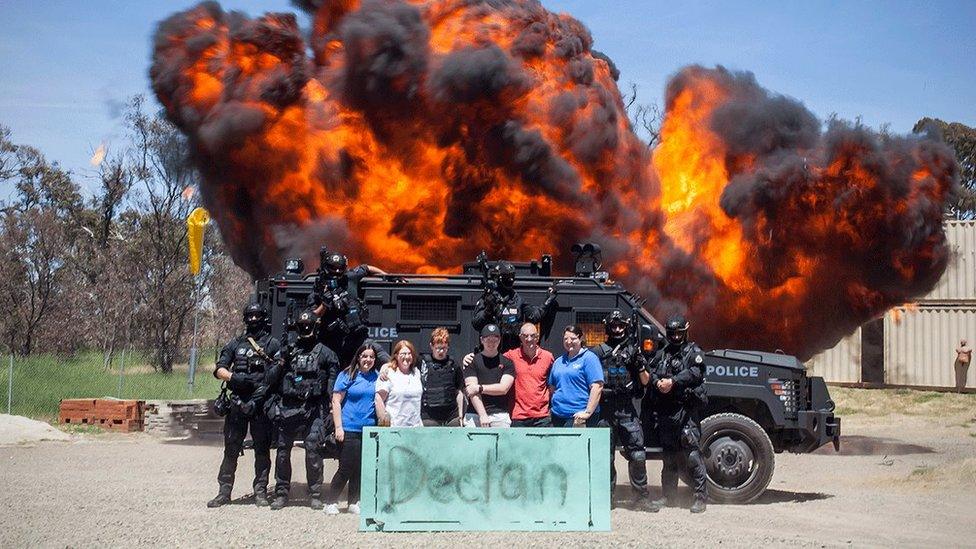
[(196, 224)]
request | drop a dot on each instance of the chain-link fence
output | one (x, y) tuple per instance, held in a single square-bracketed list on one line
[(34, 385)]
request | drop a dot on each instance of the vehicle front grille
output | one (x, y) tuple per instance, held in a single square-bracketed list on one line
[(788, 392)]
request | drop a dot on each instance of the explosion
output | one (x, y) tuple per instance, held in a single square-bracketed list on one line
[(411, 134)]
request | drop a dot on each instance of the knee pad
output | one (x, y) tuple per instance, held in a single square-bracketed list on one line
[(690, 437)]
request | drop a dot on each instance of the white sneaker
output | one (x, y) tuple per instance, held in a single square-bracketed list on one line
[(332, 509), (354, 508)]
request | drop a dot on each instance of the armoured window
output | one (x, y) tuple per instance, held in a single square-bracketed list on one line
[(428, 308), (591, 322)]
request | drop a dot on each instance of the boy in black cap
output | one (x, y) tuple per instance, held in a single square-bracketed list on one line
[(488, 383)]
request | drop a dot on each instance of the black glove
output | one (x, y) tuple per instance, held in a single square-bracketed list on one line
[(637, 364)]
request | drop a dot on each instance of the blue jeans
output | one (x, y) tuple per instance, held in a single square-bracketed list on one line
[(568, 421)]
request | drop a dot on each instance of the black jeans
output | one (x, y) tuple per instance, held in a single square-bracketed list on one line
[(440, 417), (534, 422), (350, 469), (285, 437), (236, 426)]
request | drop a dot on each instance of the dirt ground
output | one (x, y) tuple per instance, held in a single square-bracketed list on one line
[(906, 475)]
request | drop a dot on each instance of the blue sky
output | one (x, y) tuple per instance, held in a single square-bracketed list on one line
[(65, 64)]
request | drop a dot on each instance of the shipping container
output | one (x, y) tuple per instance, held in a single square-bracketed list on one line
[(958, 285), (840, 364), (921, 342)]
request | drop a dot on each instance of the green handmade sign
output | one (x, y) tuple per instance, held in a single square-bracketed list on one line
[(429, 479)]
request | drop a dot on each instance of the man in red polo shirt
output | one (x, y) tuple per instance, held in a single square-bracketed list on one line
[(530, 405)]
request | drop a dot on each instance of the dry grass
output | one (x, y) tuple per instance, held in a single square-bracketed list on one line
[(956, 473), (882, 402)]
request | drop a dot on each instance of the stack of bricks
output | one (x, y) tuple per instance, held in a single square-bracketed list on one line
[(77, 411), (176, 418), (116, 415)]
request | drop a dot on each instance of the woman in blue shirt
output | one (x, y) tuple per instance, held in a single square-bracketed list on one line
[(575, 382), (352, 409)]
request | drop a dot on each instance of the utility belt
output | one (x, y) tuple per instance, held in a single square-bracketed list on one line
[(693, 397), (280, 409), (229, 402), (298, 388)]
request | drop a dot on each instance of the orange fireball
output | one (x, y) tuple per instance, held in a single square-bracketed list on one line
[(412, 134)]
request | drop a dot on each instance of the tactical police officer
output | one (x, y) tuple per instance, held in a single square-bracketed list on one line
[(678, 400), (625, 376), (335, 300), (503, 306), (298, 407), (242, 366)]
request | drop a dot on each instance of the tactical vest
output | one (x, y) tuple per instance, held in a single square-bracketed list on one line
[(303, 382), (510, 314), (615, 360), (439, 389), (246, 359), (674, 362)]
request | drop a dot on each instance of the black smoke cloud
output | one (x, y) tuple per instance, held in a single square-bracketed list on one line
[(538, 114), (844, 199)]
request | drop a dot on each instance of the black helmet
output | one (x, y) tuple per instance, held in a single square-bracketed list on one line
[(332, 263), (616, 325), (255, 317), (505, 273), (305, 324), (677, 329)]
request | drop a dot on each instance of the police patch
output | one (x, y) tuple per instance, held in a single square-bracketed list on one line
[(698, 359)]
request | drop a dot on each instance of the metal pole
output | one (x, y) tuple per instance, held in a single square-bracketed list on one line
[(10, 383), (121, 370), (193, 348)]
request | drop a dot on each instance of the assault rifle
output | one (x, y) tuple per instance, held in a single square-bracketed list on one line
[(490, 296)]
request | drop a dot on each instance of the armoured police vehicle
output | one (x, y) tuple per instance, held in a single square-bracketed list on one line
[(759, 403)]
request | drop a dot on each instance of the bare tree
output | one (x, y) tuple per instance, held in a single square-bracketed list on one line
[(36, 232), (160, 154), (228, 290), (645, 118), (109, 270), (962, 139)]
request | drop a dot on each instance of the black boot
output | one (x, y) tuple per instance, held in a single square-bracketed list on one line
[(221, 499), (699, 505), (261, 499), (316, 504), (279, 503), (643, 501), (663, 502)]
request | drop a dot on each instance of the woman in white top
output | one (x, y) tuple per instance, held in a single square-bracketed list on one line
[(398, 398)]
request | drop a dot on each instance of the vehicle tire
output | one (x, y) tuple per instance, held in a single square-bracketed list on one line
[(739, 458)]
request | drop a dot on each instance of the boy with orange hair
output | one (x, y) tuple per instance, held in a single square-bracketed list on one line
[(443, 404)]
